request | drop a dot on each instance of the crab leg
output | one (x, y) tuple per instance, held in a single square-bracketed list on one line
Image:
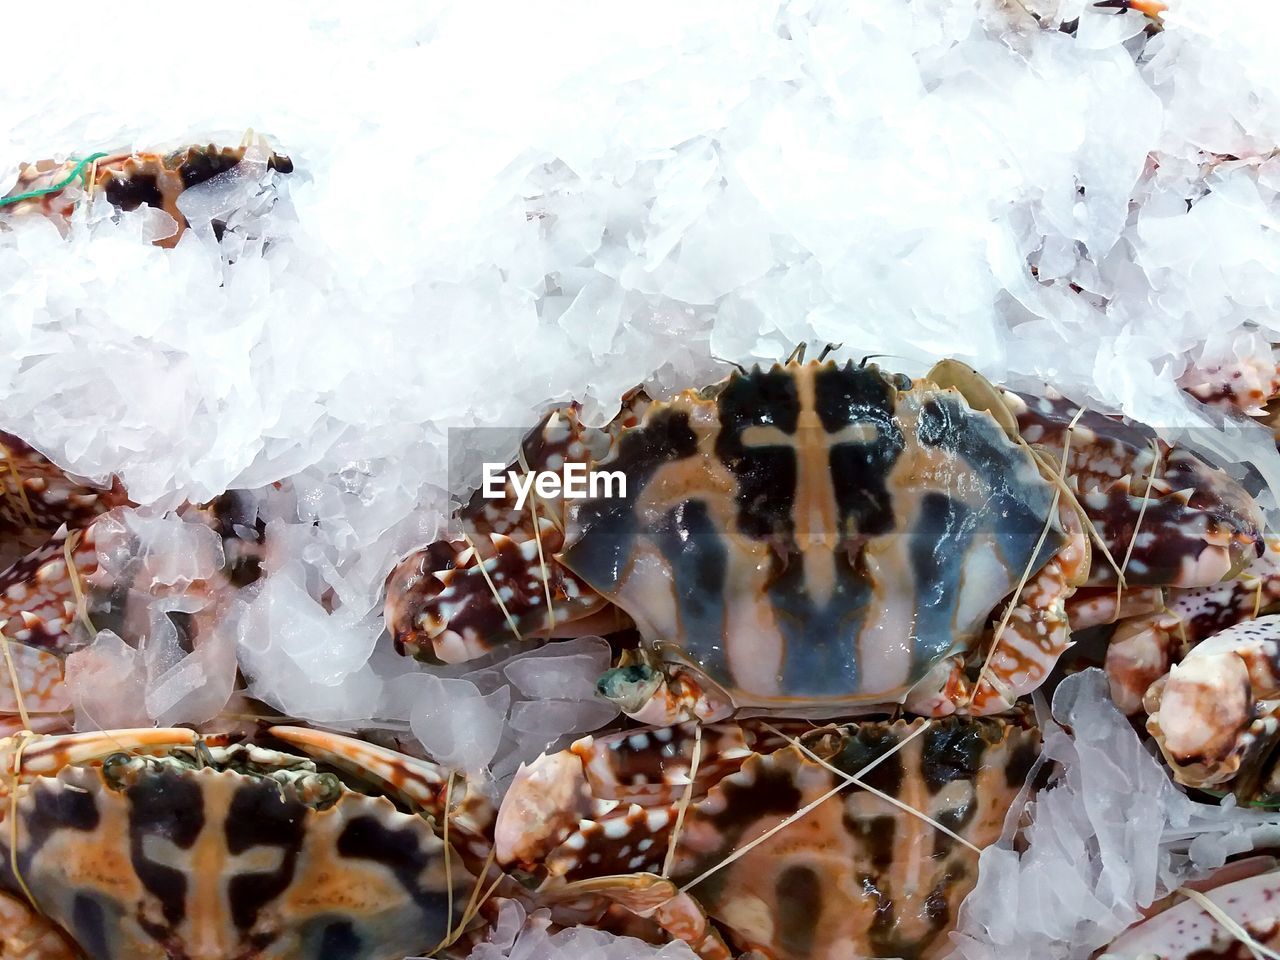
[(1142, 649), (1218, 709), (1095, 606), (647, 895)]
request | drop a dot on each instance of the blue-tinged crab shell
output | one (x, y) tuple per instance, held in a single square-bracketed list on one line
[(814, 533)]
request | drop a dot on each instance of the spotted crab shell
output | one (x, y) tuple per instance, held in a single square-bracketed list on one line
[(216, 865), (814, 533)]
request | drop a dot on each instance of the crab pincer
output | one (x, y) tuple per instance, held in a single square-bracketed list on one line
[(1217, 713)]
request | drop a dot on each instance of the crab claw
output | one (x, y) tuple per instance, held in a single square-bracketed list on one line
[(543, 805), (1186, 929), (1146, 642), (1218, 709), (43, 756)]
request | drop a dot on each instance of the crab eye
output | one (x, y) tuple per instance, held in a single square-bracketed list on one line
[(630, 687), (114, 770), (317, 790)]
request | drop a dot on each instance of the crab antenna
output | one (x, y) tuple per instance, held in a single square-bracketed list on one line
[(797, 355), (740, 368), (828, 349)]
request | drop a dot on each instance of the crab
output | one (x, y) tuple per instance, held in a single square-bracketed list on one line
[(817, 541), (297, 843), (161, 843), (800, 841), (54, 599), (42, 507), (128, 179), (1230, 915), (814, 539)]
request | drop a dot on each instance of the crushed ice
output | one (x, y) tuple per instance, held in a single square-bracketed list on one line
[(1110, 836)]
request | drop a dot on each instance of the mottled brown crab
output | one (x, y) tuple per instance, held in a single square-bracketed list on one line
[(816, 540), (159, 843), (827, 539), (800, 841), (128, 179)]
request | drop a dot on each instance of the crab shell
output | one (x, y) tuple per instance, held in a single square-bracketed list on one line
[(150, 857), (814, 533), (854, 874), (130, 180), (1184, 930)]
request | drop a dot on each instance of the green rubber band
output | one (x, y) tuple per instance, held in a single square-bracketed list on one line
[(45, 191)]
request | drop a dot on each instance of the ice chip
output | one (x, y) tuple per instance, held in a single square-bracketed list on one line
[(107, 682), (518, 935), (459, 727), (566, 670), (218, 197), (1108, 837)]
